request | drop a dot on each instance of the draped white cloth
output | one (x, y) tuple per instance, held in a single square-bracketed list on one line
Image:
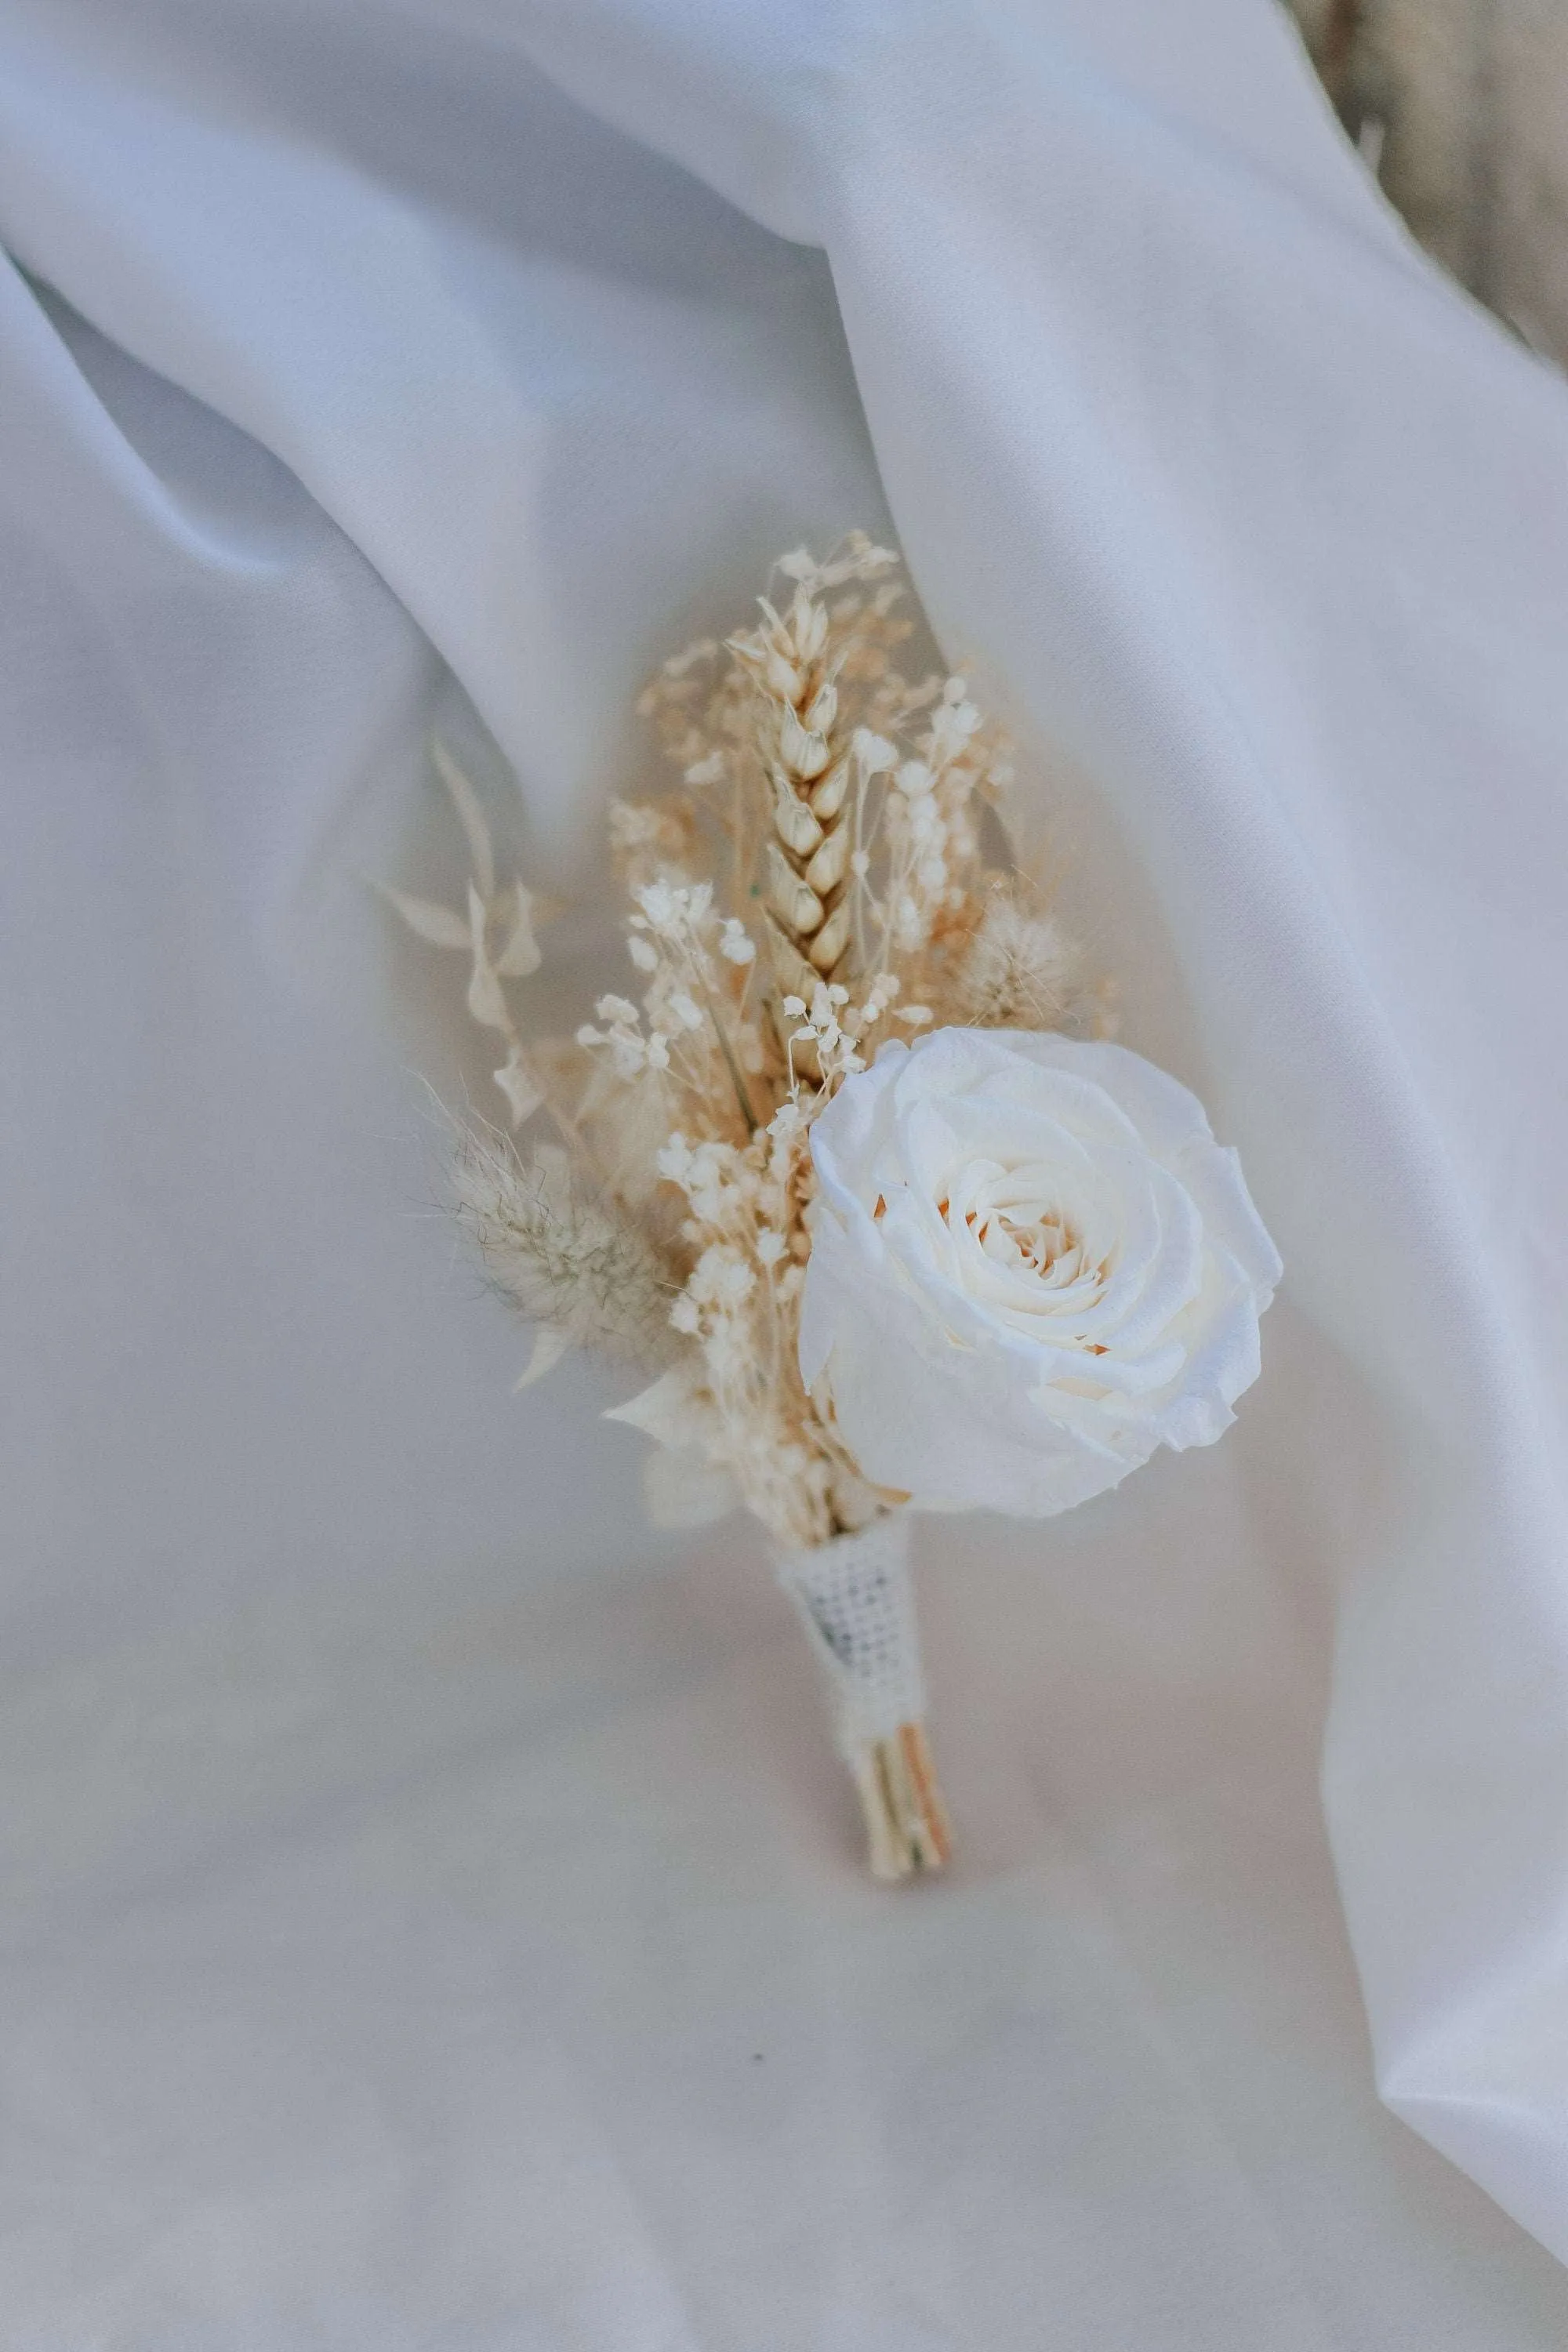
[(432, 1915)]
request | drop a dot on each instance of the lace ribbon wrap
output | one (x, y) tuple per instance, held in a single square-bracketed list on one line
[(858, 1605), (856, 1602)]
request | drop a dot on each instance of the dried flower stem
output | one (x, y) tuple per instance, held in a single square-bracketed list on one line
[(906, 1828)]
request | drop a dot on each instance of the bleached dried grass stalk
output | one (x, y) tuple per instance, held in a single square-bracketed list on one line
[(828, 814), (580, 1268), (1019, 970)]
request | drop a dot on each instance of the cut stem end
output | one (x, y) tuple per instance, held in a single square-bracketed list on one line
[(906, 1821)]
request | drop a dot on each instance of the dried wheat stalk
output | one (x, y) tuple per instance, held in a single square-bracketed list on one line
[(809, 765)]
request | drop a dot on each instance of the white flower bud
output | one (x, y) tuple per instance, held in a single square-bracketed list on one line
[(874, 753)]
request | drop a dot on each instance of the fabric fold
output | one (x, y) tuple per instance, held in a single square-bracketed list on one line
[(1260, 527)]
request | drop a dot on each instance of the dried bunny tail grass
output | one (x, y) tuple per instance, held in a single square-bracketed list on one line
[(579, 1269), (1018, 971)]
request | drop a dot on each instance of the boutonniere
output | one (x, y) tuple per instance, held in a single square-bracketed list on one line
[(853, 1173)]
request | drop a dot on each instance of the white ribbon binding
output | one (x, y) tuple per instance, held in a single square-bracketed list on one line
[(857, 1602)]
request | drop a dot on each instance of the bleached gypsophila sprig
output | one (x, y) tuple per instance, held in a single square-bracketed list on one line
[(814, 882)]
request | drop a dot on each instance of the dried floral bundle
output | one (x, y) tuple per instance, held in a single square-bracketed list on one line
[(829, 873)]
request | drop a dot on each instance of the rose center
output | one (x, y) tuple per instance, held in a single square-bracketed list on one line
[(1046, 1245), (1028, 1236)]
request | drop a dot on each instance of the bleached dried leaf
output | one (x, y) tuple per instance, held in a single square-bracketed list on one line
[(519, 954), (670, 1410), (516, 1081), (466, 800), (549, 1347), (487, 1002), (442, 926)]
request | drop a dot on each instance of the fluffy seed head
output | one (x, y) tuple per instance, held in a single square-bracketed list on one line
[(1018, 972)]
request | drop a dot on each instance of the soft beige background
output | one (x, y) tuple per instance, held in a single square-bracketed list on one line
[(1462, 107)]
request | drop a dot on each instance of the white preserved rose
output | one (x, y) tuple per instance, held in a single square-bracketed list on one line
[(1031, 1266)]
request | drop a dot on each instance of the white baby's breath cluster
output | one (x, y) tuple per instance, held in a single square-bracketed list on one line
[(822, 876)]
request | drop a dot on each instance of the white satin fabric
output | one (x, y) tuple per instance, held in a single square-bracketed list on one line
[(432, 1914)]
